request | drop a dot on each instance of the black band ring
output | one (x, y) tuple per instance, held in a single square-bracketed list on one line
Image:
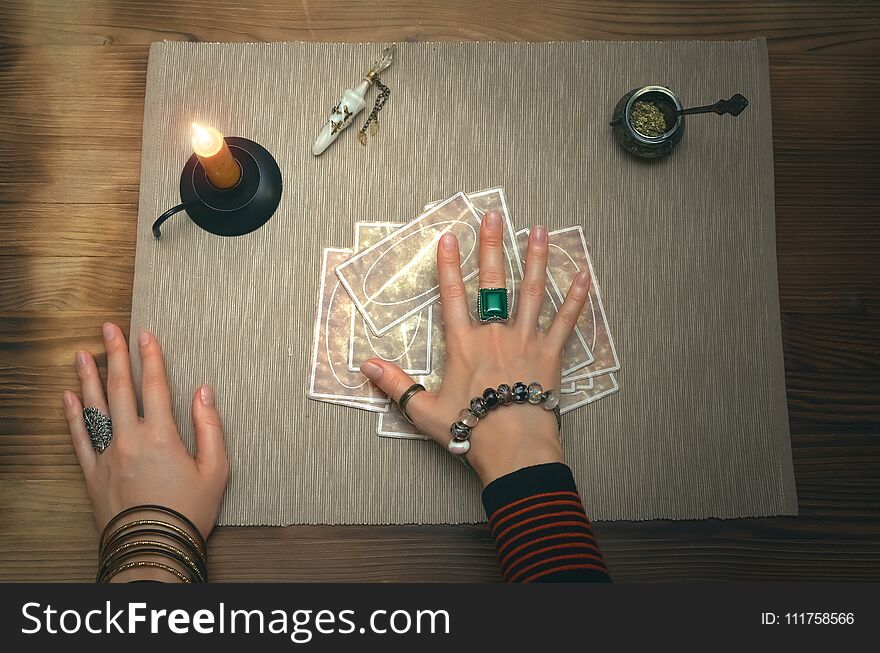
[(406, 396)]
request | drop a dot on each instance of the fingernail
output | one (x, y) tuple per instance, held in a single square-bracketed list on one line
[(81, 359), (371, 371), (144, 338), (68, 398), (206, 394), (493, 220), (109, 331), (582, 278), (540, 234), (447, 242)]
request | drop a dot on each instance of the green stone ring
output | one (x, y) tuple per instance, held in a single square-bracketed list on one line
[(492, 305)]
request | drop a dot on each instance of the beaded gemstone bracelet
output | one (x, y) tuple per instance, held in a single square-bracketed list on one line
[(503, 395)]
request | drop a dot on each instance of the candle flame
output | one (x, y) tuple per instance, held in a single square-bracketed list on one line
[(206, 141)]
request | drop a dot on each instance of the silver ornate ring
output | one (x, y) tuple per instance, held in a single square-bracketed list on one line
[(99, 426)]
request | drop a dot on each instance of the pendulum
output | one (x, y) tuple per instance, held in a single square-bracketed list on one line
[(352, 103)]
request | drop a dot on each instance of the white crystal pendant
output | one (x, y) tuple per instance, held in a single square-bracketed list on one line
[(351, 104)]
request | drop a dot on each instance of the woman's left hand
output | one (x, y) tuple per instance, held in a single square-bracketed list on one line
[(146, 462)]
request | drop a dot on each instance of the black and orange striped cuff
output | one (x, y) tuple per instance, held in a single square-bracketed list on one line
[(541, 530)]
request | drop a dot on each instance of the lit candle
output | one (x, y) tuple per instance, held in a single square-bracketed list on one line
[(209, 145)]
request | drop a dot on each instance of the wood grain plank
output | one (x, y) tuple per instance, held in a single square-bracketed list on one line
[(100, 177), (828, 284), (68, 229), (833, 398), (844, 27), (839, 342), (833, 230), (65, 283), (805, 114), (844, 179)]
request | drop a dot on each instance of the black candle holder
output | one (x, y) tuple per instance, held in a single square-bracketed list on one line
[(235, 211)]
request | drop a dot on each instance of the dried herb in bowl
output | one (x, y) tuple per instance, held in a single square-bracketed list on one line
[(647, 119)]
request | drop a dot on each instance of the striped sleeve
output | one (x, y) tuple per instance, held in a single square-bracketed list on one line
[(540, 528)]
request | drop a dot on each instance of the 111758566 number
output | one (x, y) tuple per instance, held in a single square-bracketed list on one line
[(821, 618)]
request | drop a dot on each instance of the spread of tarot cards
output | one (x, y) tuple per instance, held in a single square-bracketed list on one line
[(379, 299)]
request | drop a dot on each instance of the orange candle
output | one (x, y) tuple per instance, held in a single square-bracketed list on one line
[(209, 145)]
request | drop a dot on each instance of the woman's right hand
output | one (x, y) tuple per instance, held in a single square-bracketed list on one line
[(480, 356)]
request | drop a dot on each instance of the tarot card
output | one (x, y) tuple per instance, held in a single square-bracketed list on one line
[(330, 378), (494, 199), (570, 387), (484, 201), (397, 277), (408, 344), (392, 424), (569, 254), (575, 355), (587, 391)]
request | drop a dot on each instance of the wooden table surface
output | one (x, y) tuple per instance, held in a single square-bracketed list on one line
[(72, 80)]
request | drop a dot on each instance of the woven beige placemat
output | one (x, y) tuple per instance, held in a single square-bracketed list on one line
[(684, 249)]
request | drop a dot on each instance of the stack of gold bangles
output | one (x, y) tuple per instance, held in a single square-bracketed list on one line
[(171, 543)]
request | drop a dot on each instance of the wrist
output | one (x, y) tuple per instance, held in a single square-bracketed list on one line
[(512, 438)]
